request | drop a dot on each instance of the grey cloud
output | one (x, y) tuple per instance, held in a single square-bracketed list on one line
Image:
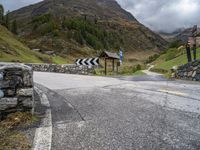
[(166, 15), (15, 4)]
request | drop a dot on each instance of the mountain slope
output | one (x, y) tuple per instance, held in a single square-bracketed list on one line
[(12, 50), (183, 36), (104, 9), (83, 27)]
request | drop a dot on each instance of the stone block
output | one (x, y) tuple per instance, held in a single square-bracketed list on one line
[(25, 92), (195, 68), (190, 74), (1, 76), (197, 77), (198, 70), (1, 94), (194, 74), (4, 84), (27, 102), (6, 103), (28, 80), (185, 74), (10, 92), (195, 63)]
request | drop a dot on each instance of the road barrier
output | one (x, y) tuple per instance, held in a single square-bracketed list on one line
[(16, 88), (67, 69), (189, 71), (88, 62)]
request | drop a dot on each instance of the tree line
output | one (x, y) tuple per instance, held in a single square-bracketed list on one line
[(5, 20), (81, 30)]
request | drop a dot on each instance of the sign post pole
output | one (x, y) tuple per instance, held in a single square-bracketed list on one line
[(189, 57), (121, 56), (105, 66), (113, 65), (194, 34)]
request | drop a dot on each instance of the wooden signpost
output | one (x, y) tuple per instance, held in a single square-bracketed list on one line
[(194, 35), (192, 44), (110, 56)]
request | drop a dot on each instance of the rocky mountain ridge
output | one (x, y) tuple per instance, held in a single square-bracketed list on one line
[(83, 27)]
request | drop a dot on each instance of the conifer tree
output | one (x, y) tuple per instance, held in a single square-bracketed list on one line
[(14, 27), (7, 20), (1, 14)]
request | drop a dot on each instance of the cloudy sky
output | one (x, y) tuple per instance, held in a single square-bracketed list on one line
[(165, 15)]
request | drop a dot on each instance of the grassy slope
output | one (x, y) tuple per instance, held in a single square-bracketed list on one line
[(161, 62), (12, 50)]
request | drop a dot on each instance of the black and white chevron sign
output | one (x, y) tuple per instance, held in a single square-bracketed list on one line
[(88, 62)]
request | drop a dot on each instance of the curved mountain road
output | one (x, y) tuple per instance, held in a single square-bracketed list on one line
[(126, 113)]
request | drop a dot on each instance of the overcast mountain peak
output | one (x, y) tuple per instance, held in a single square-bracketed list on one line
[(109, 27), (159, 15)]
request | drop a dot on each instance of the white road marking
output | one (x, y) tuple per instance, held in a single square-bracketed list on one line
[(173, 92), (43, 134)]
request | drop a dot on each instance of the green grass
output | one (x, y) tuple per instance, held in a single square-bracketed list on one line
[(163, 63), (12, 50), (139, 73), (60, 60)]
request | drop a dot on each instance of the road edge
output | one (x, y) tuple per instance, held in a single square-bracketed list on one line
[(43, 134)]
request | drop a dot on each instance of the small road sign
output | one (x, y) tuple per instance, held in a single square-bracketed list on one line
[(121, 56), (88, 62)]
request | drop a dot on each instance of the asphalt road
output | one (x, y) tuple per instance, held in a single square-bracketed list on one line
[(125, 113)]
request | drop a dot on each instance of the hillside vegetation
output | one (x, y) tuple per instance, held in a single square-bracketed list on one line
[(68, 30), (172, 57), (74, 28), (12, 50), (84, 32)]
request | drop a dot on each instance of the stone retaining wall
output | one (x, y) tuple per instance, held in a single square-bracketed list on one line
[(16, 88), (190, 71), (68, 69)]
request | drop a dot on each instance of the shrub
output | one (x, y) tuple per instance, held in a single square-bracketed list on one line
[(55, 32), (152, 58), (91, 33), (130, 69), (175, 44), (42, 19), (49, 27), (78, 37), (138, 67)]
